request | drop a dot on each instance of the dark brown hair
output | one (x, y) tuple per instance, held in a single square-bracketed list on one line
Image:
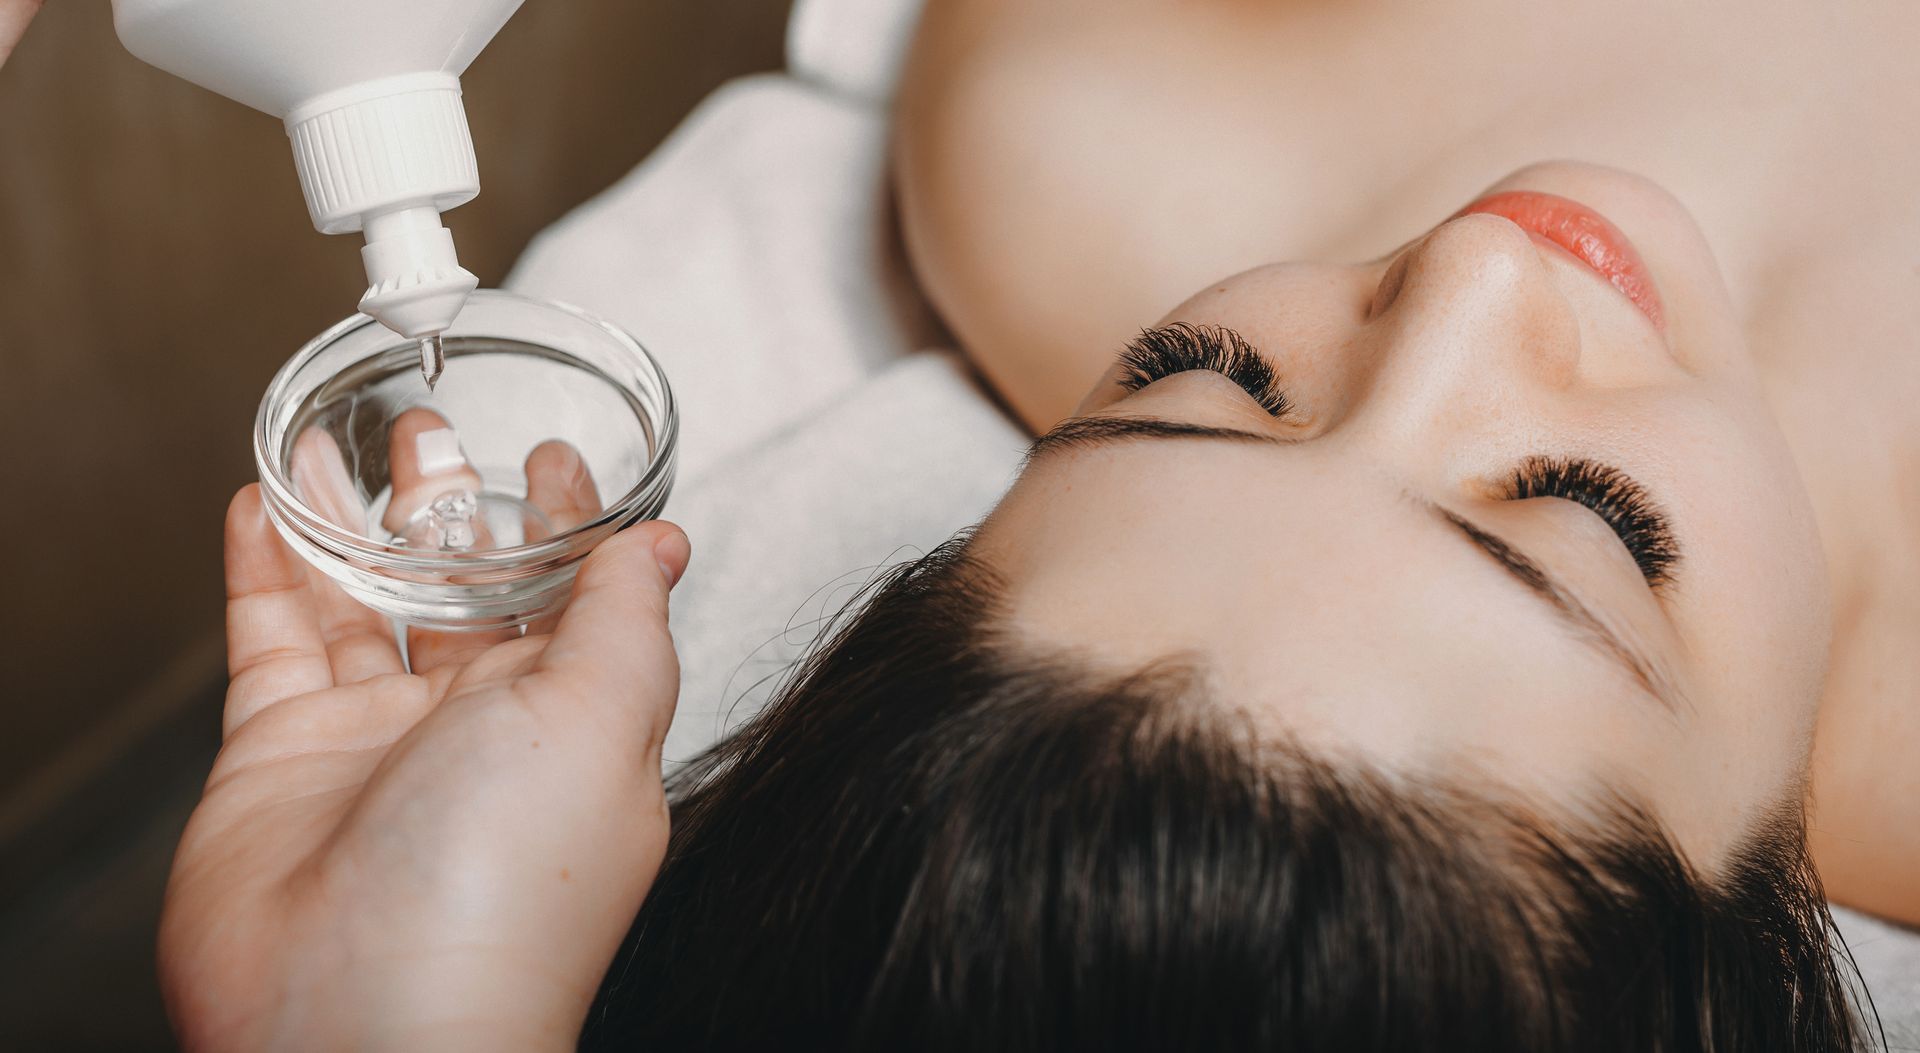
[(934, 840)]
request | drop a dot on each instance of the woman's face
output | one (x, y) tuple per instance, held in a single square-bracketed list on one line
[(1420, 558)]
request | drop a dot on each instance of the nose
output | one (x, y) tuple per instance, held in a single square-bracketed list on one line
[(1468, 324)]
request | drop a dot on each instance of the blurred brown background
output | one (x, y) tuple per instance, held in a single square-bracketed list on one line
[(132, 207)]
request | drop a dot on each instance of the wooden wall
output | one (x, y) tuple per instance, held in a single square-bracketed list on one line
[(132, 207)]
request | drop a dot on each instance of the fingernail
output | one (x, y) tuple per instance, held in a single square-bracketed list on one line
[(673, 551), (438, 451)]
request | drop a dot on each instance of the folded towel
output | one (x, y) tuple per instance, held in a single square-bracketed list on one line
[(753, 254), (854, 47)]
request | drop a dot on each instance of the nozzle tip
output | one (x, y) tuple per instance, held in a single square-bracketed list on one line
[(433, 359)]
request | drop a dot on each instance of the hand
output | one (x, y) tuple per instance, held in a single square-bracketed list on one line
[(14, 16), (440, 859)]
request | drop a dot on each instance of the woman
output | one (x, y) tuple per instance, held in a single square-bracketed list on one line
[(1424, 653)]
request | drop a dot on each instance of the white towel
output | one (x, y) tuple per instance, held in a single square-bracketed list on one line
[(854, 47), (753, 254)]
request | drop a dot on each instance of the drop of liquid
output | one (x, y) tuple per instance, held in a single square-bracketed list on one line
[(433, 359), (473, 520), (450, 521)]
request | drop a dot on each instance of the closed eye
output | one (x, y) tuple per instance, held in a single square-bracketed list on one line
[(1625, 506), (1183, 348)]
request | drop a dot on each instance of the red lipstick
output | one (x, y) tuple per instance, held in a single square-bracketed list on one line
[(1589, 236)]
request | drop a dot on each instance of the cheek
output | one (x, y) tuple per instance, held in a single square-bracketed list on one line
[(1754, 597)]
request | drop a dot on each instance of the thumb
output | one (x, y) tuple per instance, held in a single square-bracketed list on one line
[(612, 647)]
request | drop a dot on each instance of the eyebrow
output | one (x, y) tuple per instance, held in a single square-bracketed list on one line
[(1083, 432)]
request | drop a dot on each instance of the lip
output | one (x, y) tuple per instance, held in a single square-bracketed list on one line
[(1586, 235)]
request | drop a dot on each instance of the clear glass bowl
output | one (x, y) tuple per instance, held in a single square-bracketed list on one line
[(468, 506)]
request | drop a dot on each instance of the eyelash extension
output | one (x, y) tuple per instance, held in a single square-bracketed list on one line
[(1615, 498), (1182, 347)]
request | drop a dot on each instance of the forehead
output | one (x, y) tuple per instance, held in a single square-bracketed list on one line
[(1319, 598)]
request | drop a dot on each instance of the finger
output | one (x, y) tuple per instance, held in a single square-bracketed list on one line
[(424, 454), (612, 650), (560, 487), (274, 648), (359, 641), (427, 463)]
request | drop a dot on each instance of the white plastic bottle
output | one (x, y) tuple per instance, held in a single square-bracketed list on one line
[(370, 93)]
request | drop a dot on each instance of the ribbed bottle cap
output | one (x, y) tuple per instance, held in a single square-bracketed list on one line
[(388, 144)]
